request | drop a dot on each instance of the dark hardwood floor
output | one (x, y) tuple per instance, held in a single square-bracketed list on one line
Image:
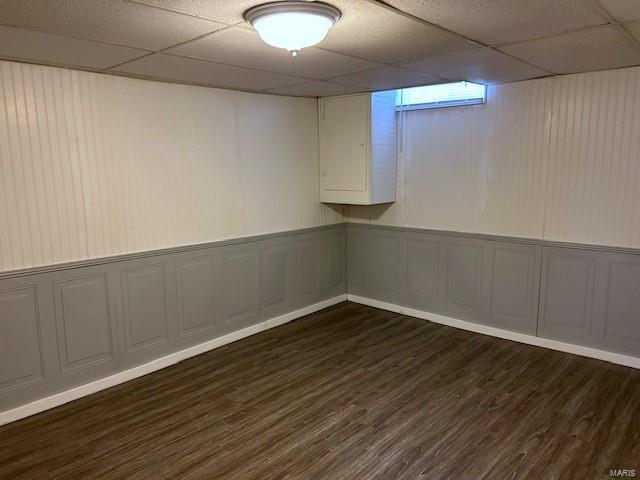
[(347, 393)]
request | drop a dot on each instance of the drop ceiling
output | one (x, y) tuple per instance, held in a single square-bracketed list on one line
[(377, 44)]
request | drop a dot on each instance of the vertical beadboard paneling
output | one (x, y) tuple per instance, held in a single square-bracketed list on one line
[(94, 165), (267, 173), (514, 165), (475, 168), (384, 137), (42, 211), (554, 158), (594, 180)]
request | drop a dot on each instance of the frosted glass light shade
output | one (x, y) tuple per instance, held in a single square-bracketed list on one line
[(293, 25)]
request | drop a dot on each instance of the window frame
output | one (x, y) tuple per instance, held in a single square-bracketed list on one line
[(445, 103)]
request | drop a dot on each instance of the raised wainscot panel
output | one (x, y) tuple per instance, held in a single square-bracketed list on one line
[(336, 259), (514, 287), (568, 288), (307, 272), (622, 314), (239, 286), (356, 260), (83, 322), (20, 343), (275, 276), (383, 264), (144, 307), (463, 286), (196, 303), (422, 272)]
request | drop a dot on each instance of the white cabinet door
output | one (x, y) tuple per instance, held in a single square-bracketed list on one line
[(344, 143)]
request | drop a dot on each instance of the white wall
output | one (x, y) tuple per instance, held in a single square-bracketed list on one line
[(555, 158), (93, 165)]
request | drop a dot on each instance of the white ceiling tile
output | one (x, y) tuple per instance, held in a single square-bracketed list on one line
[(480, 65), (225, 11), (245, 48), (505, 21), (622, 10), (633, 28), (113, 21), (316, 88), (376, 33), (20, 44), (98, 34), (386, 78), (181, 69), (597, 48)]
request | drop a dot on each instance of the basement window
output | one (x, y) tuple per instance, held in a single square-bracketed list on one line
[(438, 96)]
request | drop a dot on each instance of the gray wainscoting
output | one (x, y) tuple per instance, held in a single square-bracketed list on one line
[(581, 294), (591, 298), (67, 325)]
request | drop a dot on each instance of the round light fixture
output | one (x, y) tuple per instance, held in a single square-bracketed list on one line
[(292, 25)]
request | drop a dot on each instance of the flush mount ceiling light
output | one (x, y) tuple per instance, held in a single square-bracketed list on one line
[(292, 25)]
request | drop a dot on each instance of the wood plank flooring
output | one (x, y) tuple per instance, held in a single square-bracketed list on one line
[(348, 393)]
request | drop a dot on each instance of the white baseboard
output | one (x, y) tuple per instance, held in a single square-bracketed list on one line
[(612, 357), (67, 396)]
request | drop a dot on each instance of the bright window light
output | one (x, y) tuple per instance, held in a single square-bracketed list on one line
[(444, 95)]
